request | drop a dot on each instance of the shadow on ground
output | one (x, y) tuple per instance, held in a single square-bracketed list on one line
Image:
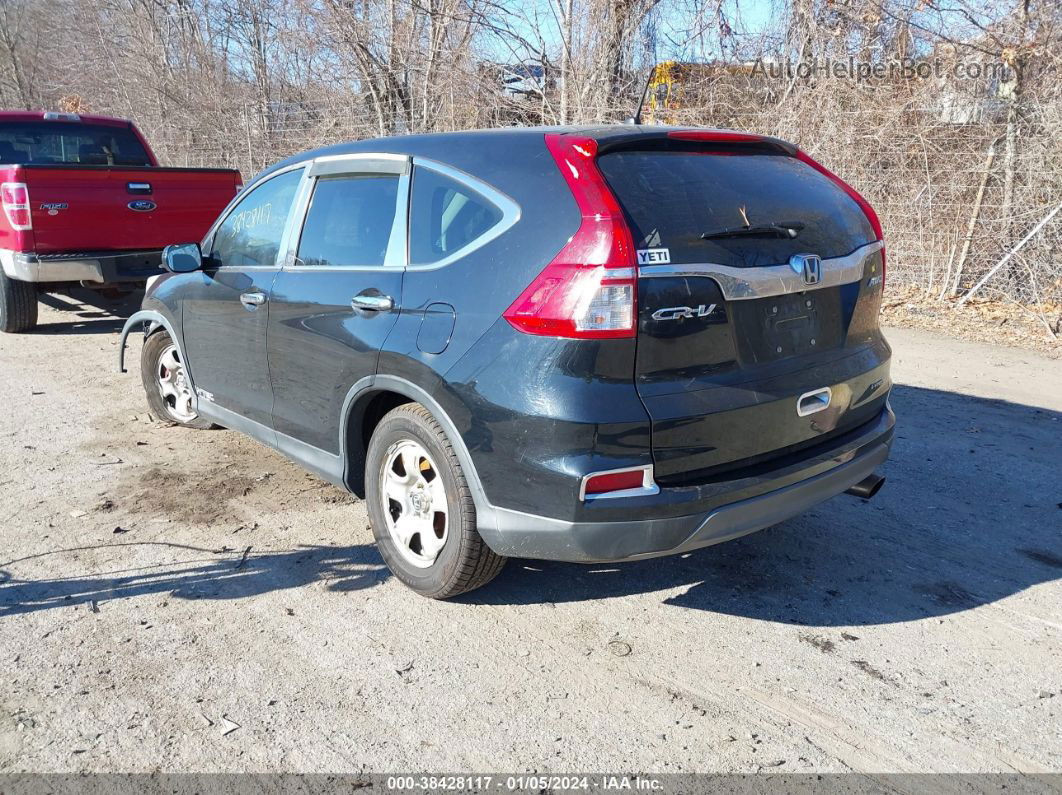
[(89, 311), (971, 513), (213, 575)]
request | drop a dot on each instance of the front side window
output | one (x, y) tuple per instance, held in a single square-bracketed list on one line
[(446, 216), (67, 142), (349, 221), (250, 234)]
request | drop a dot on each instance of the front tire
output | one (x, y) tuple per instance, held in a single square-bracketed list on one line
[(421, 509), (169, 395), (18, 305)]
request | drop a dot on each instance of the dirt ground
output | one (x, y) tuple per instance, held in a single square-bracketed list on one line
[(190, 601), (1036, 327)]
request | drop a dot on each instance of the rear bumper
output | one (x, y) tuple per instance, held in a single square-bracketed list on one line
[(97, 267), (794, 490)]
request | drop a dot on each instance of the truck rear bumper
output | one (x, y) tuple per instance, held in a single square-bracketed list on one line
[(97, 267), (524, 535)]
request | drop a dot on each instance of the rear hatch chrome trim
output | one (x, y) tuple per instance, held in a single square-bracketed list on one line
[(743, 284)]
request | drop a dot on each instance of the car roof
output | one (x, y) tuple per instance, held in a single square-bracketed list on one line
[(436, 144), (39, 115)]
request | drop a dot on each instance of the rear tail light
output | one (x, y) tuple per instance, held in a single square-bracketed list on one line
[(15, 199), (864, 205), (588, 291), (628, 482)]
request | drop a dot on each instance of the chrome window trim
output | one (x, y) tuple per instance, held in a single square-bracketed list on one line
[(359, 163), (510, 211), (741, 284), (289, 242)]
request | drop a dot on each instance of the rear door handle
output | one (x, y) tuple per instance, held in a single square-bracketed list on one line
[(374, 303), (252, 299)]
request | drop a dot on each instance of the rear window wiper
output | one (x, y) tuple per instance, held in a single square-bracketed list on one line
[(789, 231)]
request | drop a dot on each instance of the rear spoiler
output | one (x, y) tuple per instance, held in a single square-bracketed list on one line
[(642, 135)]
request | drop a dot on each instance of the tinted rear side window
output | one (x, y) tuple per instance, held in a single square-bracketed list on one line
[(446, 216), (673, 198), (349, 221), (67, 142)]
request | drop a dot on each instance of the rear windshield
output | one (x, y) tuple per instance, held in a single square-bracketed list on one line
[(68, 142), (755, 209)]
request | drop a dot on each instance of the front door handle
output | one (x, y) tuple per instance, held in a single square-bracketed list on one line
[(374, 303), (252, 299)]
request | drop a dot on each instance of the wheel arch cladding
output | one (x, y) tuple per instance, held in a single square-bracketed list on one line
[(154, 320), (379, 396), (365, 412)]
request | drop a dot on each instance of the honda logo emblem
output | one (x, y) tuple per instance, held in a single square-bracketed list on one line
[(807, 265)]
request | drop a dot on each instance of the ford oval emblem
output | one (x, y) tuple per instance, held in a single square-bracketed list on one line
[(142, 205)]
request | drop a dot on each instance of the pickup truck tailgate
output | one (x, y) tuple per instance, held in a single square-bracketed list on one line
[(86, 208)]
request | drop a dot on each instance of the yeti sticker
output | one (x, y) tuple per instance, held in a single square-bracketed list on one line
[(654, 256)]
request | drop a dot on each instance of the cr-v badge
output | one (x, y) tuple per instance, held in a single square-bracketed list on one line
[(675, 312)]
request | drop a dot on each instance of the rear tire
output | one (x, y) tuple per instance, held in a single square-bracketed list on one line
[(421, 509), (168, 394), (18, 305)]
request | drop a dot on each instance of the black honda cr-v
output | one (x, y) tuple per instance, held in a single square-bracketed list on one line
[(589, 344)]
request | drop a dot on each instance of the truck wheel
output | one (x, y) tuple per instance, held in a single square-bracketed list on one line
[(18, 304), (165, 382), (422, 512)]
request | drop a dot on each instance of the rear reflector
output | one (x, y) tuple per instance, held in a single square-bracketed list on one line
[(14, 196), (864, 205), (588, 290), (637, 481), (616, 481)]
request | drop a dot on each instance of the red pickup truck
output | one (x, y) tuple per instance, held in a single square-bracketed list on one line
[(85, 201)]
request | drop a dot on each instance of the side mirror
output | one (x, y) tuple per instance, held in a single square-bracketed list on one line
[(182, 257)]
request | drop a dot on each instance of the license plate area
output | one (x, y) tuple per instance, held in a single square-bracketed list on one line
[(784, 326)]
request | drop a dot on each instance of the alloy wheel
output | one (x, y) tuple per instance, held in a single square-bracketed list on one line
[(415, 504), (173, 385)]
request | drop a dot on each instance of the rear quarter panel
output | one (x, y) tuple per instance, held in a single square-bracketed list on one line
[(534, 412)]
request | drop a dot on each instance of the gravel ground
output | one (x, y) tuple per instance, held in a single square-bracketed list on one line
[(190, 601)]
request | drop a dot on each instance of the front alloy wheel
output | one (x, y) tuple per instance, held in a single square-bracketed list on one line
[(165, 380), (173, 386)]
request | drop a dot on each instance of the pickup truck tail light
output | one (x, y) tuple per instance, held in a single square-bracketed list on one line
[(864, 205), (15, 199), (588, 291)]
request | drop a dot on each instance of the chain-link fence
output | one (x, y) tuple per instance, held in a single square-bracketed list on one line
[(939, 183)]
